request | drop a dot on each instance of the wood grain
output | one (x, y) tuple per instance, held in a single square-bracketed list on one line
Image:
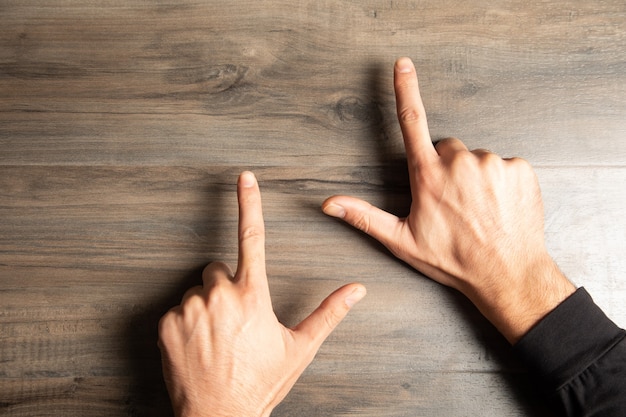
[(124, 124)]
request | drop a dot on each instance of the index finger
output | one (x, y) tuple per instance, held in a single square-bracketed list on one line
[(251, 263), (411, 114)]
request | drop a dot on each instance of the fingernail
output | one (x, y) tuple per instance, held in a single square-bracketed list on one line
[(355, 296), (404, 65), (247, 179), (334, 210)]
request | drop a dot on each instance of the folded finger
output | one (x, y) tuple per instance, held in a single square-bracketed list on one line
[(448, 147), (216, 271), (193, 291)]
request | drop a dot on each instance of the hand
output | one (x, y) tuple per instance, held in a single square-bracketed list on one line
[(224, 352), (475, 224)]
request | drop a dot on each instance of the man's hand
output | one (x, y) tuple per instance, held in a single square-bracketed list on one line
[(475, 224), (224, 352)]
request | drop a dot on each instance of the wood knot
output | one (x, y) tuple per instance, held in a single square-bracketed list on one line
[(352, 109), (212, 78)]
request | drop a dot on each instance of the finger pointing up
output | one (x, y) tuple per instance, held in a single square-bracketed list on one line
[(251, 262), (411, 114)]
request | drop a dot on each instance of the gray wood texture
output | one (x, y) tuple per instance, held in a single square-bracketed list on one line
[(124, 125)]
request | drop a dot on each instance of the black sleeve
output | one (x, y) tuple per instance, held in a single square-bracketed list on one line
[(578, 357)]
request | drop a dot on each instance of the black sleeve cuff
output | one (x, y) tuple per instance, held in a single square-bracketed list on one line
[(567, 341)]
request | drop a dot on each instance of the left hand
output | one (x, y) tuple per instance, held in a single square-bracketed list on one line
[(224, 352)]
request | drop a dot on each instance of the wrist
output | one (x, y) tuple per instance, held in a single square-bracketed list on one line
[(211, 409), (520, 301), (208, 413)]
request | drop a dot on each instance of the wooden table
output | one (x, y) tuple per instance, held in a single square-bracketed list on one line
[(124, 125)]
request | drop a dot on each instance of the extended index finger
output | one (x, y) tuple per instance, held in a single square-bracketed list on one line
[(251, 263), (411, 114)]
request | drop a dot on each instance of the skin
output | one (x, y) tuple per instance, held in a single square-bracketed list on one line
[(224, 352), (475, 224)]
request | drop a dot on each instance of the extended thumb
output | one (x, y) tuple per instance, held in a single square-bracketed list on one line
[(321, 322)]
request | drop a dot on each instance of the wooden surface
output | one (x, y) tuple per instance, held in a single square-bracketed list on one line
[(124, 124)]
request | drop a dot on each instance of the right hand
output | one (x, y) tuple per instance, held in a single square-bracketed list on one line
[(475, 224)]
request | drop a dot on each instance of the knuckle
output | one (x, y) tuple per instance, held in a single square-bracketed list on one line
[(409, 115), (165, 324), (215, 272), (331, 318), (217, 266), (447, 141), (479, 152), (168, 328), (524, 169), (450, 147), (520, 163), (251, 233), (362, 222), (217, 295), (464, 160), (195, 304), (442, 144), (489, 158)]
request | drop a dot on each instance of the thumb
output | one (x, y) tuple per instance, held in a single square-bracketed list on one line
[(314, 329), (382, 226)]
